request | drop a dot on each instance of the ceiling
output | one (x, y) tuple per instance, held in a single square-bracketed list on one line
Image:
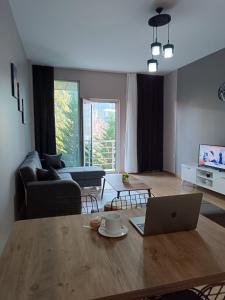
[(113, 35)]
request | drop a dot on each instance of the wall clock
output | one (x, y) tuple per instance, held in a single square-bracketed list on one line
[(221, 92)]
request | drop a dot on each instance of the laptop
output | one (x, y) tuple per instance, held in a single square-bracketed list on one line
[(169, 214)]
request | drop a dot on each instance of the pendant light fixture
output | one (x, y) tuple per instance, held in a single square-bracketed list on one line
[(152, 65), (156, 47), (168, 49)]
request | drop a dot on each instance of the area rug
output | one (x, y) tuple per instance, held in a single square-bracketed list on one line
[(213, 212)]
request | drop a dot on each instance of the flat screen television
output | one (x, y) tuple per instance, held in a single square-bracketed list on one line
[(212, 156)]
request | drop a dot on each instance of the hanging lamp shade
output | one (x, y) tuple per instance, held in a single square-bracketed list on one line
[(156, 48), (152, 65), (168, 50)]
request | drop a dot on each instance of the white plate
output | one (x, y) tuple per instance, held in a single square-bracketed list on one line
[(123, 232)]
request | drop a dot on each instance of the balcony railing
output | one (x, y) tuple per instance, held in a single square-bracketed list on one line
[(100, 153)]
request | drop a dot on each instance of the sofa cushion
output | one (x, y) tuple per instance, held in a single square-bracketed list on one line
[(83, 172), (53, 161), (65, 176), (45, 175)]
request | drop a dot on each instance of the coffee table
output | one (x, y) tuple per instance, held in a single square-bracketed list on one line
[(134, 184)]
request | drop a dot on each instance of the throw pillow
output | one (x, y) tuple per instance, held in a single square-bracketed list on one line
[(45, 175), (53, 161)]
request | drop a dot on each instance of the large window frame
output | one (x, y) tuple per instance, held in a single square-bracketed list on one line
[(80, 122)]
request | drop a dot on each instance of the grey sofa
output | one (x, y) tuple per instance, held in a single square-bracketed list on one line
[(48, 198), (85, 176), (55, 197)]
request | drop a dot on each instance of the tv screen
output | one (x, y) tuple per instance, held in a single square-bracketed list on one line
[(212, 156)]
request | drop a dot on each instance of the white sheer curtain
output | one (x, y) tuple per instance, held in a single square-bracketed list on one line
[(130, 164)]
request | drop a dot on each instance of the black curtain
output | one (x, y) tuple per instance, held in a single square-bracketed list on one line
[(150, 123), (44, 117)]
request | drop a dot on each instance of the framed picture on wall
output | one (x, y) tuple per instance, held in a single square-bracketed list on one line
[(19, 102), (14, 80), (23, 112)]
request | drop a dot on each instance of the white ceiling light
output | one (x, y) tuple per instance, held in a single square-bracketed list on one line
[(156, 48), (168, 50), (152, 65)]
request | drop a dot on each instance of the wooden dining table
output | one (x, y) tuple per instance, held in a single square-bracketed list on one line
[(60, 258)]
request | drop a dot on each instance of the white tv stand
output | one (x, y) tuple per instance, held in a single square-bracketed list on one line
[(208, 178)]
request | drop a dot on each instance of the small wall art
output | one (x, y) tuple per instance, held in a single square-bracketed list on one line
[(14, 81), (19, 102), (23, 112)]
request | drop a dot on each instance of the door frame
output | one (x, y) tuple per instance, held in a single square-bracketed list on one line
[(117, 102)]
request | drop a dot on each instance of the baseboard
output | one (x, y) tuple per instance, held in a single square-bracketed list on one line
[(170, 173)]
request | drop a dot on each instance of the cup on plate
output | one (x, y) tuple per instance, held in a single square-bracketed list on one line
[(112, 223)]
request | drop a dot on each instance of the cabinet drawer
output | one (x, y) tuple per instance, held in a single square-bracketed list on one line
[(219, 183), (188, 173)]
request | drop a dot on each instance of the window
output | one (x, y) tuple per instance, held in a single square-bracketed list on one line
[(67, 121)]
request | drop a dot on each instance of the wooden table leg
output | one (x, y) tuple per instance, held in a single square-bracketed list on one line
[(103, 187)]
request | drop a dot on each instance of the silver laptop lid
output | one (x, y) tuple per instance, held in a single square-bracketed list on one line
[(172, 213)]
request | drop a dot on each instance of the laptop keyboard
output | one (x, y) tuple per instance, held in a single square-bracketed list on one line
[(141, 226)]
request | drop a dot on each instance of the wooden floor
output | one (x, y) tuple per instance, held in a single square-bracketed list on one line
[(164, 184)]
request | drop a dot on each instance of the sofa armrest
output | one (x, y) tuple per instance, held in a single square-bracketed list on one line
[(59, 188), (53, 198)]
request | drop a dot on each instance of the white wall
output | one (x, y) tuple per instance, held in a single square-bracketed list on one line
[(200, 114), (102, 85), (15, 138), (170, 106)]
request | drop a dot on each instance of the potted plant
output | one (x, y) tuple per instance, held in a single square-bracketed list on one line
[(125, 177)]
